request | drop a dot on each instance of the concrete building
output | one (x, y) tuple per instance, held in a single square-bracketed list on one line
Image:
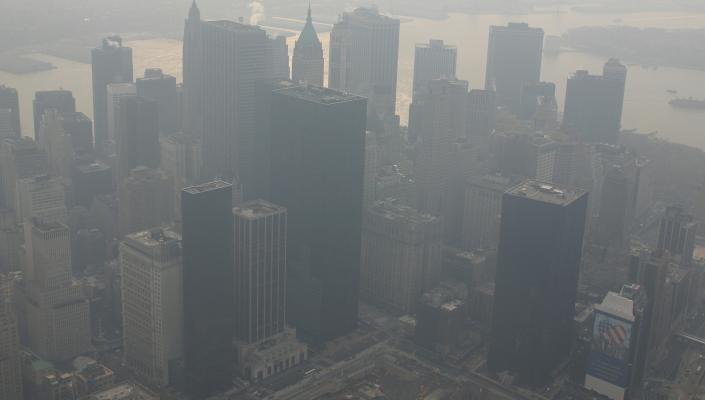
[(114, 93), (110, 63), (265, 346), (371, 166), (208, 259), (92, 378), (401, 255), (161, 87), (9, 100), (10, 357), (433, 60), (57, 312), (441, 313), (323, 197), (60, 100), (593, 104), (307, 64), (539, 256), (513, 59), (125, 391), (90, 179), (364, 53), (483, 211), (481, 113), (181, 159), (152, 306), (41, 197), (677, 234), (7, 130), (145, 200), (19, 158)]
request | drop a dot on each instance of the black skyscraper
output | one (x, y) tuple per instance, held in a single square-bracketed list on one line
[(207, 240), (162, 88), (9, 100), (539, 256), (110, 63), (59, 100), (137, 135), (80, 128), (317, 163), (593, 104), (513, 60)]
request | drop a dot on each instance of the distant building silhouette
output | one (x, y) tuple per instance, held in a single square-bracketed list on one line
[(513, 60), (110, 63), (364, 53), (540, 249), (593, 104), (59, 100), (11, 360), (160, 87), (9, 102), (137, 138), (307, 64), (677, 234)]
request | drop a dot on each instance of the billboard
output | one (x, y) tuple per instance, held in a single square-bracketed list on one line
[(611, 342)]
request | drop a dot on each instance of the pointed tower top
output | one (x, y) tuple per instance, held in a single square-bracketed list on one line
[(308, 34), (194, 12)]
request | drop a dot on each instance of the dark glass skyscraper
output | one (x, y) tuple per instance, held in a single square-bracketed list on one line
[(593, 104), (10, 100), (541, 238), (59, 100), (207, 241), (317, 168), (138, 135), (110, 63), (161, 88), (513, 60)]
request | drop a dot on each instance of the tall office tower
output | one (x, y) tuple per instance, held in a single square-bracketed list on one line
[(677, 233), (145, 200), (513, 59), (181, 159), (307, 64), (364, 52), (115, 93), (323, 197), (260, 250), (593, 104), (160, 87), (110, 63), (80, 130), (7, 129), (59, 100), (10, 242), (64, 137), (618, 337), (10, 101), (524, 155), (481, 113), (442, 116), (138, 135), (615, 190), (401, 255), (540, 248), (42, 197), (19, 158), (152, 307), (58, 320), (208, 254), (533, 95), (483, 211), (277, 58), (10, 356), (371, 166), (222, 62), (434, 60)]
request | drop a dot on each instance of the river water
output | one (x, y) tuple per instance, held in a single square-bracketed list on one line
[(646, 101)]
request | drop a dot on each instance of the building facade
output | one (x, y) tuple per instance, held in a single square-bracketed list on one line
[(307, 64)]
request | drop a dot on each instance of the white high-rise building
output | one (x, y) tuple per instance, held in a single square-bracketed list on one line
[(117, 91), (483, 211), (433, 60), (364, 54), (152, 313)]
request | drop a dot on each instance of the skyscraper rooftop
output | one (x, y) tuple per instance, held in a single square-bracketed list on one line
[(546, 192)]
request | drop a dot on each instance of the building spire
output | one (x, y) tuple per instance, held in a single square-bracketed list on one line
[(194, 12), (308, 17)]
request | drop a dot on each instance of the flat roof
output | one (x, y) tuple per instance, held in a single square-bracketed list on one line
[(546, 192), (233, 26), (206, 187), (257, 209), (319, 94), (154, 237), (393, 209)]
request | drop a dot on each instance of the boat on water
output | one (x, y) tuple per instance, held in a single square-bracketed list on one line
[(689, 103)]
